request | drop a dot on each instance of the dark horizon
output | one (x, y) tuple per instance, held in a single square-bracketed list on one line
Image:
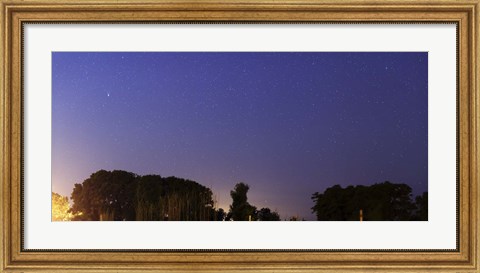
[(289, 124)]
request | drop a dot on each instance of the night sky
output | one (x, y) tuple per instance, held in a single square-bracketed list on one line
[(288, 124)]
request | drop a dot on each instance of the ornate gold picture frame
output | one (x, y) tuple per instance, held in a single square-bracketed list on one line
[(15, 13)]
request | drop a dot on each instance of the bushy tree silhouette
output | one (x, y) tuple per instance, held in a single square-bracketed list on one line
[(240, 209), (124, 196), (105, 195), (379, 202), (265, 214)]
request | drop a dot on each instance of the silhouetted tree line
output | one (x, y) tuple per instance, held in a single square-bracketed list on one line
[(379, 202), (125, 196)]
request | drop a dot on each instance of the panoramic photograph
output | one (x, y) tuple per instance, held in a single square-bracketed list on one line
[(239, 136)]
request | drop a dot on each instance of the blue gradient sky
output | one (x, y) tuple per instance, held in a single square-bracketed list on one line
[(287, 124)]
